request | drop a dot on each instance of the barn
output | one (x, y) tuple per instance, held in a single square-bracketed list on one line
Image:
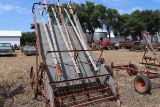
[(12, 37)]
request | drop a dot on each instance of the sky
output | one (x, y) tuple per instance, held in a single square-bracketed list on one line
[(17, 14)]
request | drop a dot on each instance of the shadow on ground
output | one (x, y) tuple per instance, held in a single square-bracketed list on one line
[(7, 93)]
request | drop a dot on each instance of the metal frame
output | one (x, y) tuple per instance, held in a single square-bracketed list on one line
[(129, 69), (147, 63), (145, 60), (55, 93), (80, 34), (155, 59)]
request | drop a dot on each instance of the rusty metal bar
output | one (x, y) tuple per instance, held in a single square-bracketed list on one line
[(58, 69), (154, 52), (33, 7), (150, 75), (69, 38), (34, 16), (70, 64), (105, 75), (157, 65), (72, 51), (95, 101), (79, 35), (87, 92), (67, 45), (99, 57)]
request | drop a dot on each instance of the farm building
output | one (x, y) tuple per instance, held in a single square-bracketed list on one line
[(102, 34), (12, 37)]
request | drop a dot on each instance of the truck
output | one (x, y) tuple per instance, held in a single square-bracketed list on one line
[(106, 44), (125, 44)]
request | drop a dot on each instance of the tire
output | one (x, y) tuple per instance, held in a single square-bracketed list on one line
[(142, 84), (109, 69), (116, 48), (131, 72), (107, 48)]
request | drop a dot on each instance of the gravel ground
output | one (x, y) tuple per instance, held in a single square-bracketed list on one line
[(15, 85)]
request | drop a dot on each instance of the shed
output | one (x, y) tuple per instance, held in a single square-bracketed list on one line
[(12, 37), (100, 33)]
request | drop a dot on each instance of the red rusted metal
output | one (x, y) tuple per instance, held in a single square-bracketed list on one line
[(155, 59), (36, 79), (149, 74), (142, 82), (61, 93)]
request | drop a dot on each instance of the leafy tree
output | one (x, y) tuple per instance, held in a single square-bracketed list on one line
[(28, 37), (135, 24), (137, 21), (151, 19), (111, 20), (91, 16), (121, 27)]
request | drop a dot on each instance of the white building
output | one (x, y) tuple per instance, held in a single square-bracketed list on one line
[(99, 33), (12, 37)]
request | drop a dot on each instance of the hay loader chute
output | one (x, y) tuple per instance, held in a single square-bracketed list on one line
[(67, 73)]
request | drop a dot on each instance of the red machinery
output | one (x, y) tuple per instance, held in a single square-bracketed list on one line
[(66, 73), (125, 44), (142, 82), (101, 44)]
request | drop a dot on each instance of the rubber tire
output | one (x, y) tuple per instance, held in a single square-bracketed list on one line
[(146, 81), (116, 48), (109, 69), (134, 67)]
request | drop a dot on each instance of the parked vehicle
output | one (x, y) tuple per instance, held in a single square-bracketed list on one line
[(137, 45), (16, 47), (6, 49), (125, 44), (30, 49), (99, 44)]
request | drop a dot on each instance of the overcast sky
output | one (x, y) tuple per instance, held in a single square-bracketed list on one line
[(17, 15)]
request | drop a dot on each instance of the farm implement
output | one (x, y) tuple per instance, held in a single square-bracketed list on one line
[(150, 61), (142, 82), (67, 73)]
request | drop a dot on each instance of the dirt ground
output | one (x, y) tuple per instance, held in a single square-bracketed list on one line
[(15, 88)]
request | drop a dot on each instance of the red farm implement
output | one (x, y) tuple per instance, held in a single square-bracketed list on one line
[(142, 82), (67, 74)]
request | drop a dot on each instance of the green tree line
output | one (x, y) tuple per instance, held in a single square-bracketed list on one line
[(27, 37), (94, 16)]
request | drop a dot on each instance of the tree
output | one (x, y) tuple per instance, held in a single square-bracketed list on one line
[(137, 21), (111, 20), (91, 16), (28, 37), (135, 24), (151, 19), (121, 27)]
